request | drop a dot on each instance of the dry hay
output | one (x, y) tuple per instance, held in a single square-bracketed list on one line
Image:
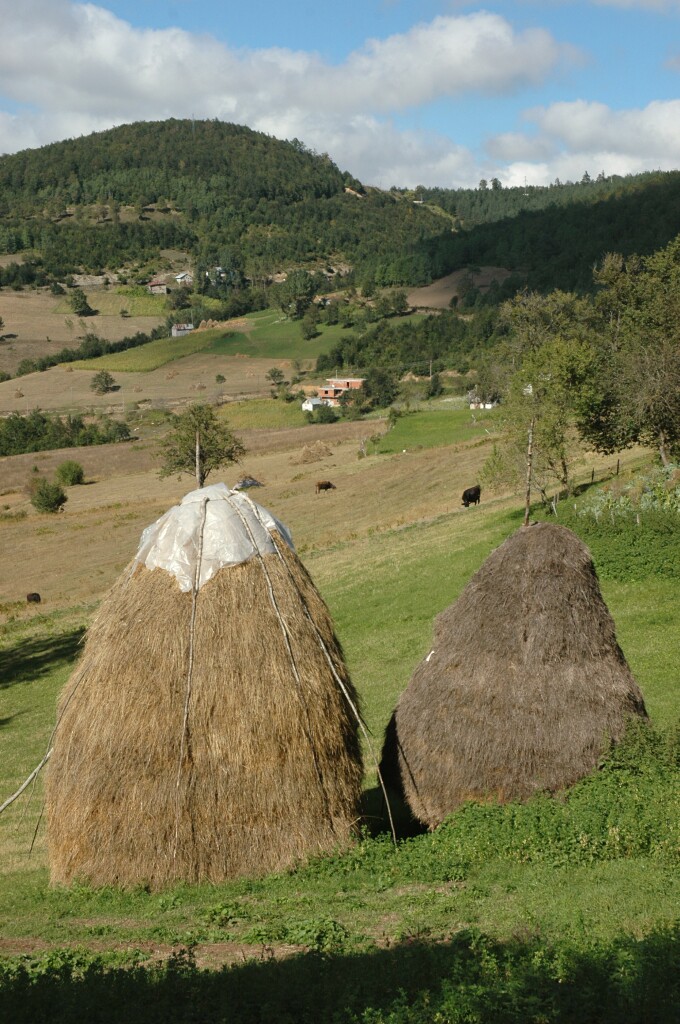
[(313, 453), (268, 769), (524, 689)]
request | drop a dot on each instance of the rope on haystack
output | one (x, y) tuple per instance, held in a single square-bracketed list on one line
[(326, 653), (289, 648), (190, 670)]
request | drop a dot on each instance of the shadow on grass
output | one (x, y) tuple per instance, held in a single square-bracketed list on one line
[(10, 718), (469, 978), (34, 658)]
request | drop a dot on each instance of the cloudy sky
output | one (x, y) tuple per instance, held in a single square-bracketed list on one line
[(399, 92)]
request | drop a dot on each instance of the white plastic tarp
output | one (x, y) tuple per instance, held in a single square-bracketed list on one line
[(234, 529)]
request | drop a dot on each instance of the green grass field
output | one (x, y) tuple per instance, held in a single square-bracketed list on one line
[(136, 300), (151, 356), (435, 425), (560, 911), (264, 414), (269, 335)]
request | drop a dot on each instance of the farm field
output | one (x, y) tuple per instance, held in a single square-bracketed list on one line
[(451, 923), (169, 372), (38, 323)]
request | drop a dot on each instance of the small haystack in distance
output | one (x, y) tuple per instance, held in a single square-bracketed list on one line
[(524, 688), (210, 729)]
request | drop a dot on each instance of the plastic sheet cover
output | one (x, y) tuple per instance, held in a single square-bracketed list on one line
[(235, 529)]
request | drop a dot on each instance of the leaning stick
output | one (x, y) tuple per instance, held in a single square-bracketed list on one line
[(26, 784)]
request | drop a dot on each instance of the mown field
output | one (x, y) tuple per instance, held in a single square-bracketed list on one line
[(564, 910)]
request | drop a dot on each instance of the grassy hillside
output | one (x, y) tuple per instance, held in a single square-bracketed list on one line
[(564, 910)]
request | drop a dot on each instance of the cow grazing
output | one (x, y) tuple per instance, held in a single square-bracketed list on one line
[(324, 485), (33, 598), (472, 495)]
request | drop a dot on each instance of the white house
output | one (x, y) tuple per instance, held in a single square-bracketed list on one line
[(179, 330), (310, 404)]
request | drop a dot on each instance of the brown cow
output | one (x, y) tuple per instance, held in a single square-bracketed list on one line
[(33, 598), (324, 485)]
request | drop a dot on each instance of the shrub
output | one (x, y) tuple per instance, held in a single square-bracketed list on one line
[(46, 496), (70, 473), (102, 382), (325, 414)]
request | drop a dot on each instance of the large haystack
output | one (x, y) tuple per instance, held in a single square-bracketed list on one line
[(524, 688), (208, 731)]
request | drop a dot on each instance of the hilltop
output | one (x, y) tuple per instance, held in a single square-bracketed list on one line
[(257, 206)]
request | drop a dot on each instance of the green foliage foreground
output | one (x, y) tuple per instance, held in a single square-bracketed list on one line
[(470, 978)]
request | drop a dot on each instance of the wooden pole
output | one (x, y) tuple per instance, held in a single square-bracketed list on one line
[(530, 454)]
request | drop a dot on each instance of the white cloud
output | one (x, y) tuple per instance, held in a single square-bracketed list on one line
[(75, 68), (569, 138), (69, 69)]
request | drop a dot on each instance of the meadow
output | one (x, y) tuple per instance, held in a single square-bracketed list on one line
[(560, 910)]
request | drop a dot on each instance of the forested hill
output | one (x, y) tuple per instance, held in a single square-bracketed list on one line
[(255, 205), (230, 195), (553, 236)]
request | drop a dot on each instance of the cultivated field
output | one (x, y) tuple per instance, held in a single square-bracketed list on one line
[(438, 295), (38, 323)]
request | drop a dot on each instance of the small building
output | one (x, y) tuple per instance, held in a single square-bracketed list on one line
[(335, 388), (310, 404), (157, 287), (179, 330), (185, 279)]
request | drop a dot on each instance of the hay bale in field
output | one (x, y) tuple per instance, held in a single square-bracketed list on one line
[(524, 688), (210, 729), (315, 452)]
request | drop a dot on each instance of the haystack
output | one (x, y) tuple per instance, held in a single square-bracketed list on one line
[(210, 729), (524, 688)]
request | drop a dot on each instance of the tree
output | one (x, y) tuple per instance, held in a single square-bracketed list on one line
[(399, 302), (199, 443), (325, 414), (380, 387), (549, 354), (295, 294), (434, 386), (70, 473), (310, 323), (633, 395), (102, 382), (47, 497), (79, 304)]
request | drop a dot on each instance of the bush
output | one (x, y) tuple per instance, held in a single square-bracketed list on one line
[(70, 473), (102, 382), (325, 414), (47, 497)]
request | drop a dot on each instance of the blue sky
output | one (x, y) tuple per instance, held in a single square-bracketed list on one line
[(399, 92)]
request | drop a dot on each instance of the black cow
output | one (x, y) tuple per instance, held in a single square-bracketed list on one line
[(324, 485), (472, 495), (33, 598)]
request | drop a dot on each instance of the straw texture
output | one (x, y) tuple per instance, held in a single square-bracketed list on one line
[(524, 689), (267, 770)]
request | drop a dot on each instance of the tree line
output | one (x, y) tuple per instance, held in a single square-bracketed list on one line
[(40, 432)]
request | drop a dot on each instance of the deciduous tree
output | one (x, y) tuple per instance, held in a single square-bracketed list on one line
[(199, 443), (634, 392), (549, 355)]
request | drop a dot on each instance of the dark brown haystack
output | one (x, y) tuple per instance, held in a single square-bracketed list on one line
[(205, 751), (525, 685)]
